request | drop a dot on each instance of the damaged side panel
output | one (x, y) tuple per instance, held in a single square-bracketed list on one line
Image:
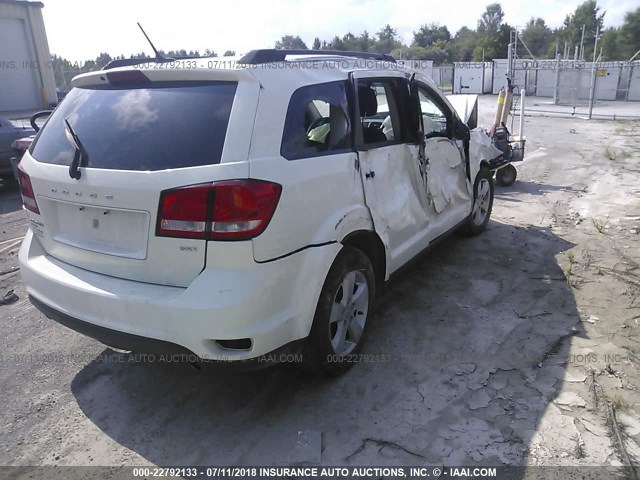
[(447, 185), (481, 149)]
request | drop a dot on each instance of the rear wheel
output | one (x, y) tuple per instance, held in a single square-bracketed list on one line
[(482, 203), (345, 304)]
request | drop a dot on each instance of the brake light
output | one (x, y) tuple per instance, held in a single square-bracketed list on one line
[(26, 190), (225, 210), (128, 78)]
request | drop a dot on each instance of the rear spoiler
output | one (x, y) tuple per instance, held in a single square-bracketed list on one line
[(131, 62)]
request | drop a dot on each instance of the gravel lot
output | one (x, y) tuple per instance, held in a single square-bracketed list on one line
[(520, 347)]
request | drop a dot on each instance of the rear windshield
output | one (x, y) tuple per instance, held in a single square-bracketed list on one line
[(153, 128)]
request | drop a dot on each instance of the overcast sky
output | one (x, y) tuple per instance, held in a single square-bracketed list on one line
[(80, 29)]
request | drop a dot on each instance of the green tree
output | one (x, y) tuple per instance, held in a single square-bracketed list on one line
[(537, 37), (229, 53), (611, 48), (365, 42), (103, 59), (316, 44), (630, 34), (289, 42), (464, 43), (491, 19), (387, 40), (587, 14), (440, 51), (350, 42), (492, 34), (414, 52), (429, 34), (336, 44)]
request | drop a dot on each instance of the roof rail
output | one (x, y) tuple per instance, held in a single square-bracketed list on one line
[(255, 57)]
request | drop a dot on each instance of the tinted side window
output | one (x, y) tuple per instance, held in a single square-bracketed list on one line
[(317, 122)]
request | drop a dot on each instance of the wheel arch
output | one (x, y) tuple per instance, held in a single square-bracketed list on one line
[(484, 164), (369, 243)]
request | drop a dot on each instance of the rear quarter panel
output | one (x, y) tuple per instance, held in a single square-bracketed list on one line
[(322, 197), (322, 201)]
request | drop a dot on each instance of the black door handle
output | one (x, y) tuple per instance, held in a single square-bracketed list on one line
[(371, 174)]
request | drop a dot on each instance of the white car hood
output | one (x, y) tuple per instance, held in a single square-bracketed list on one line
[(464, 105)]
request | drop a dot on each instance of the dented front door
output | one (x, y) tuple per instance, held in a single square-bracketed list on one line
[(390, 172), (444, 174)]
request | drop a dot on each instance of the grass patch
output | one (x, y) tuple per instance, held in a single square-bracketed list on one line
[(601, 225), (572, 261), (610, 153)]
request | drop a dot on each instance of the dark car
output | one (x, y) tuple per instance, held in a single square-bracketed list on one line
[(10, 131)]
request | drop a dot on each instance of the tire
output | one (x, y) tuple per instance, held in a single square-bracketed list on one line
[(506, 175), (340, 321), (482, 203)]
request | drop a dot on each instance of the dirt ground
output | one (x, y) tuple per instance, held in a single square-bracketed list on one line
[(519, 347)]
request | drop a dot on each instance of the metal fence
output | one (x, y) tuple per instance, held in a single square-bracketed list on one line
[(577, 86), (567, 81), (444, 76)]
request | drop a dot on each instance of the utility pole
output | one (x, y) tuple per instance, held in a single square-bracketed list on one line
[(582, 43), (593, 74), (556, 87)]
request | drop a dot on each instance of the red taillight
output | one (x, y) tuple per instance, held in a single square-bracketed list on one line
[(23, 144), (242, 208), (226, 210), (184, 211), (26, 190)]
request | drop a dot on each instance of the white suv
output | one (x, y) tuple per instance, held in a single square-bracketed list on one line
[(236, 210)]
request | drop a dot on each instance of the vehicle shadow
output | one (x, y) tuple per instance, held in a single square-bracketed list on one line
[(510, 192), (466, 352)]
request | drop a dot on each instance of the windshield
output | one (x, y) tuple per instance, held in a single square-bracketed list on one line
[(156, 128)]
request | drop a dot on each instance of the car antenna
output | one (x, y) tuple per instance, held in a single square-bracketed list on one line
[(159, 56)]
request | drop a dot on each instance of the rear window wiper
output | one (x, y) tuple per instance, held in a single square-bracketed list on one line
[(81, 157)]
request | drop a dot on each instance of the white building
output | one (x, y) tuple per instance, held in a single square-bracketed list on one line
[(472, 77), (26, 77)]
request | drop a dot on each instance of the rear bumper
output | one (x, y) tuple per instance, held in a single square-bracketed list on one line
[(272, 304), (113, 338)]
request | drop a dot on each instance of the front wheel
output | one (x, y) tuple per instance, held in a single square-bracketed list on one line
[(345, 304), (482, 203)]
